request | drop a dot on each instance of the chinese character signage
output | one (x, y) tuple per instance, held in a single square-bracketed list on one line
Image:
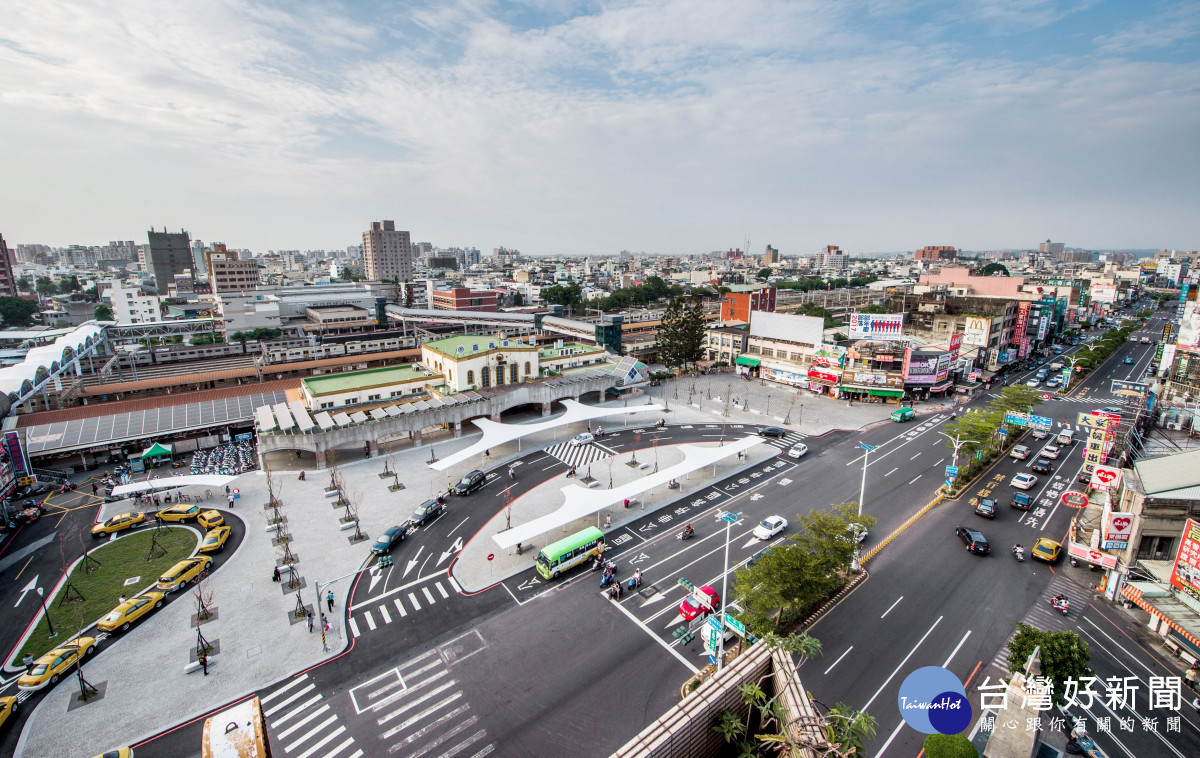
[(1016, 419), (876, 325), (1133, 389), (955, 344), (1186, 574), (1022, 323), (1105, 477), (12, 443), (1116, 532), (1041, 421), (1043, 327), (823, 376)]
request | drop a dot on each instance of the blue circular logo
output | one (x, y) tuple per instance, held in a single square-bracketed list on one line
[(933, 701)]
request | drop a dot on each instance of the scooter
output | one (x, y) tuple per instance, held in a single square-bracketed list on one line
[(634, 582), (1019, 554), (686, 534), (1060, 604)]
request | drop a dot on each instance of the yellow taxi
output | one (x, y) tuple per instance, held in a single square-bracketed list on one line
[(8, 707), (183, 572), (210, 519), (121, 752), (215, 539), (1046, 550), (123, 616), (117, 523), (180, 512), (51, 666)]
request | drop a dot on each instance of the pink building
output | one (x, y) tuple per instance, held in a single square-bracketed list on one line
[(982, 286)]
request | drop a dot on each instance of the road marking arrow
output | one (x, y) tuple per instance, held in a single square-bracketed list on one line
[(458, 545), (527, 584), (28, 588), (750, 542), (413, 562), (756, 496), (641, 557), (376, 575)]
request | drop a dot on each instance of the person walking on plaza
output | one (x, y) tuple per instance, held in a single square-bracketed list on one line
[(95, 488), (329, 600), (275, 575), (310, 622), (202, 659), (1190, 676)]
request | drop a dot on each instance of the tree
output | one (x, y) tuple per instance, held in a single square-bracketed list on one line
[(850, 729), (949, 746), (681, 333), (69, 285), (16, 311), (24, 284), (46, 287), (994, 269), (1065, 656), (765, 273), (102, 313)]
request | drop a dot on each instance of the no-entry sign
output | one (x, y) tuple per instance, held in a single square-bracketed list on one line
[(1075, 499), (491, 556)]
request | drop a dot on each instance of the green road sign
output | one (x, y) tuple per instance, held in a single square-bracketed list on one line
[(735, 625)]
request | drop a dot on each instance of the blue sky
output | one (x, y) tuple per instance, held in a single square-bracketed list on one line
[(588, 127)]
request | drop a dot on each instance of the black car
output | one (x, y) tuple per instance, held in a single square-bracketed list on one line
[(986, 508), (426, 511), (1042, 466), (389, 538), (772, 431), (1084, 478), (469, 483), (974, 540)]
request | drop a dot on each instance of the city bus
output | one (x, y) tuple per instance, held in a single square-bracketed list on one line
[(569, 552), (237, 732)]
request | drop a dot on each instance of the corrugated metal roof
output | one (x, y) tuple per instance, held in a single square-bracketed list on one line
[(1169, 472)]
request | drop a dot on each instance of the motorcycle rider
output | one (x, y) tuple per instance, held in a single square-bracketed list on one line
[(1019, 551), (688, 531)]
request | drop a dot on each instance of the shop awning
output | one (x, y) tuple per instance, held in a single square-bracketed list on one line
[(886, 393), (940, 387), (157, 450), (743, 360)]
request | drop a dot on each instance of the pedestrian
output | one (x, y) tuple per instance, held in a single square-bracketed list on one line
[(230, 499), (325, 623), (1190, 676), (298, 458), (202, 659), (310, 622), (28, 661), (227, 490), (329, 600), (607, 520), (275, 575), (120, 600), (487, 453), (157, 501), (95, 489)]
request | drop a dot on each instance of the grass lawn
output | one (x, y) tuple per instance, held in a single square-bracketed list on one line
[(121, 559)]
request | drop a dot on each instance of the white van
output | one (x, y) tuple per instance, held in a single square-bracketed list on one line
[(1066, 437)]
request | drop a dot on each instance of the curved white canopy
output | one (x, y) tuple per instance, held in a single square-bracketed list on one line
[(580, 501), (172, 482), (497, 434)]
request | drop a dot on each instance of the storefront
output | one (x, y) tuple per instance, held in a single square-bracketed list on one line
[(823, 382), (747, 365), (784, 376)]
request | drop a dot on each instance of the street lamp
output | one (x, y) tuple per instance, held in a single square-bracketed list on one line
[(46, 613), (862, 494), (957, 442), (730, 519)]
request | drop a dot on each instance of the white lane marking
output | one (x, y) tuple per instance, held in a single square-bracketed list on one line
[(301, 722), (893, 605), (892, 471), (296, 711), (268, 698), (387, 618), (281, 704), (915, 457), (960, 644), (428, 595), (400, 608), (311, 732), (460, 523), (324, 741), (897, 670), (917, 477), (413, 599), (839, 660)]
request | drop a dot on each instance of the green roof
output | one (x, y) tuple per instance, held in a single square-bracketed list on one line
[(360, 380), (473, 344), (551, 352)]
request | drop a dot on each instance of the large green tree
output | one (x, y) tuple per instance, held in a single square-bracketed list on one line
[(102, 313), (1065, 656), (46, 286), (17, 311), (681, 333)]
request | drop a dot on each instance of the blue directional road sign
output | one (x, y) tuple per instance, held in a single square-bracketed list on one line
[(1002, 432), (949, 482), (1016, 419), (712, 660), (951, 471), (1041, 421)]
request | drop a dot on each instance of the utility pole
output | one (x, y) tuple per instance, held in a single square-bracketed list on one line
[(862, 494), (957, 442), (729, 519)]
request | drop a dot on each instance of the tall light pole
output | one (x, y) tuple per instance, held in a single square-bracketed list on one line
[(54, 634), (729, 519), (957, 442), (862, 494)]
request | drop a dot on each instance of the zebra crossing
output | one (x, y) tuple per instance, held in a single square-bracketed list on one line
[(1042, 616), (786, 441), (579, 455), (303, 725), (396, 608), (422, 709)]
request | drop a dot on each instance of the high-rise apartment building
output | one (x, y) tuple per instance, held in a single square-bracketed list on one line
[(8, 283), (1051, 248), (771, 256), (937, 253), (199, 261), (168, 254), (831, 260), (227, 273), (387, 252)]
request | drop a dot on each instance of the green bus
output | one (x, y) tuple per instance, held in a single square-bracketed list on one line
[(570, 552)]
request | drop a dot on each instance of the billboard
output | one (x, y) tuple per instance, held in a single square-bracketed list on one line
[(1104, 477), (807, 330), (1022, 323), (829, 356), (1116, 530), (976, 331), (1186, 573), (1104, 293), (1043, 327), (1189, 326), (885, 326), (955, 344), (1168, 355)]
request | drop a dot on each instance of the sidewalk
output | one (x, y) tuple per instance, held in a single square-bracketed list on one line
[(257, 642)]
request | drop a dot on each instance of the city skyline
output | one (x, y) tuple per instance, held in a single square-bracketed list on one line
[(574, 128)]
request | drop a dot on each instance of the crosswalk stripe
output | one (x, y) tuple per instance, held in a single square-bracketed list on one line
[(369, 619), (487, 750), (268, 698), (387, 619), (441, 589), (413, 599), (430, 727), (418, 717), (349, 741), (297, 710), (476, 737), (400, 608), (327, 738), (354, 628), (355, 754), (318, 712), (310, 733), (428, 595), (413, 703), (454, 584), (281, 704)]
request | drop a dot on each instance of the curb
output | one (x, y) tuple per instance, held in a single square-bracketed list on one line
[(900, 529), (829, 603)]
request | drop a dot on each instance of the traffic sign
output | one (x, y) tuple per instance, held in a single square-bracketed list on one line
[(1016, 419), (952, 471), (491, 556), (949, 482), (1002, 432), (1045, 395), (1042, 421), (979, 455), (712, 660), (1075, 499), (236, 491), (735, 625)]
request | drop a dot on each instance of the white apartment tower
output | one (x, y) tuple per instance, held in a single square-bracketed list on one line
[(387, 253)]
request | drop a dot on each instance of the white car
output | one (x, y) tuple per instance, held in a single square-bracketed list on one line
[(1024, 481), (583, 439), (1019, 452), (798, 450), (769, 527), (1051, 451), (1033, 382)]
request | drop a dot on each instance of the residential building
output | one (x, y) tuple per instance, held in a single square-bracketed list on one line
[(723, 344), (1053, 249), (937, 253), (387, 252), (464, 299), (129, 305), (771, 256), (741, 300), (8, 282), (228, 273), (831, 261), (168, 254), (443, 262)]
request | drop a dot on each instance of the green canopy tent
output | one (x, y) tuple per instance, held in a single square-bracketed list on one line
[(157, 450)]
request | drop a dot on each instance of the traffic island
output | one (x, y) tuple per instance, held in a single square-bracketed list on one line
[(86, 596)]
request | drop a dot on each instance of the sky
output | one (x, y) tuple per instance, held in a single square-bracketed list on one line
[(556, 126)]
